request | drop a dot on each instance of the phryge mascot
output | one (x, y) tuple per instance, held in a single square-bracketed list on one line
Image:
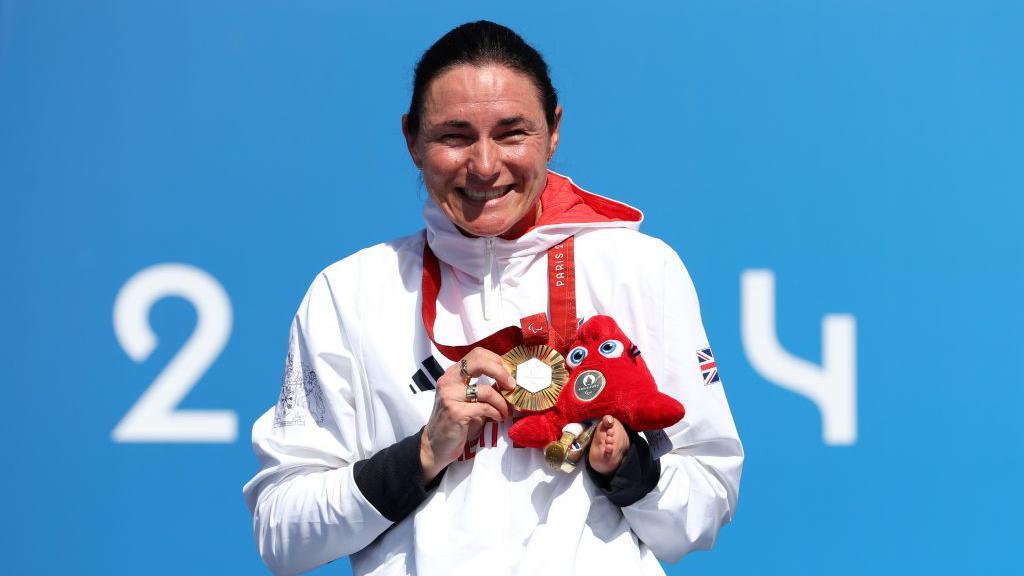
[(607, 376)]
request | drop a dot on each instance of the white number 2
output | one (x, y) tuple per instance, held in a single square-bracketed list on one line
[(153, 418)]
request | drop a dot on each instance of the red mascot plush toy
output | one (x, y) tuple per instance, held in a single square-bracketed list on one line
[(607, 376)]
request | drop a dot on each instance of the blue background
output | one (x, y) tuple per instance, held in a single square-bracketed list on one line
[(868, 152)]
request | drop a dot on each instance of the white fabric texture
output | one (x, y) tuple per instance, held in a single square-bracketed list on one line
[(348, 393)]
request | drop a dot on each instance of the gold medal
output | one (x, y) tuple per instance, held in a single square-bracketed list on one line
[(540, 374)]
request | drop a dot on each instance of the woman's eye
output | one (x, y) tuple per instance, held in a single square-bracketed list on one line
[(576, 355), (610, 349), (513, 135)]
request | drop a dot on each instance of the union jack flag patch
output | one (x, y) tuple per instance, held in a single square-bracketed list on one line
[(708, 366)]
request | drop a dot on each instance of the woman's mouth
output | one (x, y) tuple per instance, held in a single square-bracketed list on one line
[(484, 195)]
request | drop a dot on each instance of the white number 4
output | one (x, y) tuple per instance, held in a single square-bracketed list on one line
[(153, 418)]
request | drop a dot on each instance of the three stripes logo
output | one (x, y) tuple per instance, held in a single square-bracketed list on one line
[(426, 377)]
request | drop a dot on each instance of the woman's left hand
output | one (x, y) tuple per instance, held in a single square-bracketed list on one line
[(608, 446)]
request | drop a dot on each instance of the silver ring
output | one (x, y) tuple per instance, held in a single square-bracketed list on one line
[(471, 393), (464, 370)]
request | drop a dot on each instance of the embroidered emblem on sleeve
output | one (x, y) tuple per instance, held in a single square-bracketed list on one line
[(708, 366), (301, 397)]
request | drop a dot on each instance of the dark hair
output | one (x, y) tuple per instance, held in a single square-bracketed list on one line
[(479, 43)]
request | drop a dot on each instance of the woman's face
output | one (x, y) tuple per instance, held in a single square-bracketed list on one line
[(483, 147)]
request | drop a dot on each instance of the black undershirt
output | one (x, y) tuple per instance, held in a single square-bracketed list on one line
[(392, 479)]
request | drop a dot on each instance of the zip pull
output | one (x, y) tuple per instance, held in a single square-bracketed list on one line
[(488, 279)]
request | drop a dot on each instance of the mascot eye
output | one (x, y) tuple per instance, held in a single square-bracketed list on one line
[(576, 355), (610, 349)]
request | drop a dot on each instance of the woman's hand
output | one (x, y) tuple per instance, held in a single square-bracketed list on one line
[(455, 419), (608, 446)]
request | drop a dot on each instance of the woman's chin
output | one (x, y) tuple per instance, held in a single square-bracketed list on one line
[(486, 230), (499, 218)]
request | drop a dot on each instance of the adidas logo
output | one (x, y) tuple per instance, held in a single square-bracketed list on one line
[(426, 377)]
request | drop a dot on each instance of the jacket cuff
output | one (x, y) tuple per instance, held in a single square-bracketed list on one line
[(392, 479), (637, 475)]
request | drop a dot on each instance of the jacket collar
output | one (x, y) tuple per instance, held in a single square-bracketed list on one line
[(566, 210)]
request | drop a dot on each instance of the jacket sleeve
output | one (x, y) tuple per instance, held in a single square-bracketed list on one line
[(306, 504), (698, 487)]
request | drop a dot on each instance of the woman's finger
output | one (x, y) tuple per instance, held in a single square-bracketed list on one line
[(467, 412), (490, 396), (479, 362), (483, 362), (489, 412), (458, 400)]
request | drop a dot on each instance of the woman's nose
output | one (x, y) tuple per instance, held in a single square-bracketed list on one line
[(484, 162)]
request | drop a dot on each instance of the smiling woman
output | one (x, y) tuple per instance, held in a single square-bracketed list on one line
[(483, 146), (420, 476), (482, 126)]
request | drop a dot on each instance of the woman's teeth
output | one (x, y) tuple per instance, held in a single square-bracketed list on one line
[(484, 195)]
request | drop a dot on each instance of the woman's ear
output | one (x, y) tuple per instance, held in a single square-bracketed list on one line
[(555, 131), (410, 142)]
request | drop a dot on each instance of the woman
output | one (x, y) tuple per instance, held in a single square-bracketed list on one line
[(416, 475)]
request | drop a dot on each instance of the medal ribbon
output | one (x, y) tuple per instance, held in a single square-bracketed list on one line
[(562, 295), (533, 329)]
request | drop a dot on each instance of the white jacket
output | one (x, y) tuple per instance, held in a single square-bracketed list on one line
[(351, 389)]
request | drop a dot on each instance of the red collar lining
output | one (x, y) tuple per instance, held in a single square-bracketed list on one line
[(565, 203)]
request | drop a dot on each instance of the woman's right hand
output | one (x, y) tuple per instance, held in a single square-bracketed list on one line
[(455, 419)]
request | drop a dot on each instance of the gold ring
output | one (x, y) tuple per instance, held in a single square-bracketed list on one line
[(471, 393)]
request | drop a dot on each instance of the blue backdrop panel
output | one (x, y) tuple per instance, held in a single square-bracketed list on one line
[(866, 154)]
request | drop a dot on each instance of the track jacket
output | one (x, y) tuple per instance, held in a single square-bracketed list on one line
[(359, 380)]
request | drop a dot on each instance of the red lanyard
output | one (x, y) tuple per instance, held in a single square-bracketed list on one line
[(533, 329)]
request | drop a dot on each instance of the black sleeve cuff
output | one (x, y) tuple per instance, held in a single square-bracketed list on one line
[(637, 475), (392, 479)]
